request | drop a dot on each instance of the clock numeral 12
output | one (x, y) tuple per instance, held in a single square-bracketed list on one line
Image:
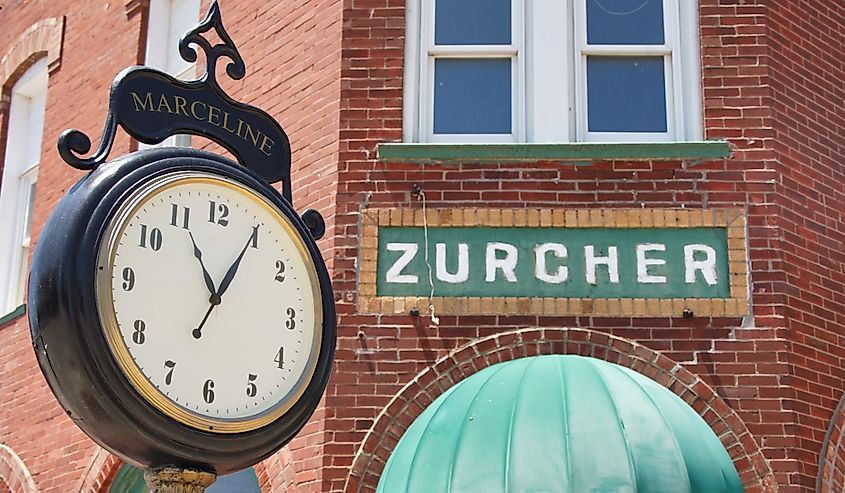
[(174, 216), (215, 209), (251, 388), (170, 365), (280, 358), (138, 336), (208, 391), (154, 238)]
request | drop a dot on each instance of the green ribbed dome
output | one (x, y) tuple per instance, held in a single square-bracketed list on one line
[(556, 423)]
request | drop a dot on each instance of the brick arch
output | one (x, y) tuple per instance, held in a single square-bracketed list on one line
[(277, 473), (466, 360), (42, 39), (262, 476), (102, 468), (831, 476), (13, 472)]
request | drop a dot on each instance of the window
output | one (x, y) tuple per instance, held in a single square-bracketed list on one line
[(552, 71), (20, 174), (168, 21)]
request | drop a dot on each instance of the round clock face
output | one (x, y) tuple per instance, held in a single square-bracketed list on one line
[(210, 302)]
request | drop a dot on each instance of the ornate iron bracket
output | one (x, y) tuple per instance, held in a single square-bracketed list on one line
[(151, 106)]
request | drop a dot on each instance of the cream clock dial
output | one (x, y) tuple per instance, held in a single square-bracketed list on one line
[(210, 302)]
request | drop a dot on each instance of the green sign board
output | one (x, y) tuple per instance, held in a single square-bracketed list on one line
[(550, 262)]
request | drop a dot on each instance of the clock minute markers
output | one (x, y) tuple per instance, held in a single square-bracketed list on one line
[(286, 273), (163, 290)]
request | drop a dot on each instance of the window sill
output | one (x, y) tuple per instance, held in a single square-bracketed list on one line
[(580, 152), (17, 312)]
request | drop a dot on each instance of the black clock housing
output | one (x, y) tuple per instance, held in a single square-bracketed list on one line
[(71, 345)]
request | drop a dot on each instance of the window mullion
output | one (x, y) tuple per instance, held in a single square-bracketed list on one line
[(580, 68), (547, 89), (674, 68), (687, 66), (425, 119), (626, 50), (469, 51), (518, 74)]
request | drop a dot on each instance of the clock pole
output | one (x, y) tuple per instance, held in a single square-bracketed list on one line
[(178, 480)]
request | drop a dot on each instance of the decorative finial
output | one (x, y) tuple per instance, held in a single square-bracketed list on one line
[(235, 68), (152, 105)]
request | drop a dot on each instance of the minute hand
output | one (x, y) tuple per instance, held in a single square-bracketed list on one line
[(233, 269)]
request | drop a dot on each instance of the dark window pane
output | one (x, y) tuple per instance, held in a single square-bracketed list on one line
[(626, 94), (472, 96), (472, 22), (625, 22)]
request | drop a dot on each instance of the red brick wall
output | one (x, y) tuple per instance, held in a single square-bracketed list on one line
[(748, 363), (331, 73), (831, 476), (31, 422), (807, 81), (292, 53)]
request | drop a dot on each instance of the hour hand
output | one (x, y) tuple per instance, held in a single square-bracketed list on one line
[(209, 283)]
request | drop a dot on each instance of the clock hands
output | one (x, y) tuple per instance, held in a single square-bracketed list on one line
[(233, 269), (217, 296), (197, 333), (208, 282)]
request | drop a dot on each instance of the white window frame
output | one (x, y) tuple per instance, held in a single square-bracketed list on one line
[(549, 103), (20, 173), (26, 204), (164, 30), (430, 52)]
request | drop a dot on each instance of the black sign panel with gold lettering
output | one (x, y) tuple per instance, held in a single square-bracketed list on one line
[(151, 106)]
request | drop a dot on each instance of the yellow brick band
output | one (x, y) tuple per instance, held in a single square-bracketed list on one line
[(733, 220)]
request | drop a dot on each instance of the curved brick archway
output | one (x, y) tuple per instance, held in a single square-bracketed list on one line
[(466, 360), (277, 473), (44, 38), (262, 476), (101, 470), (831, 476), (13, 472)]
